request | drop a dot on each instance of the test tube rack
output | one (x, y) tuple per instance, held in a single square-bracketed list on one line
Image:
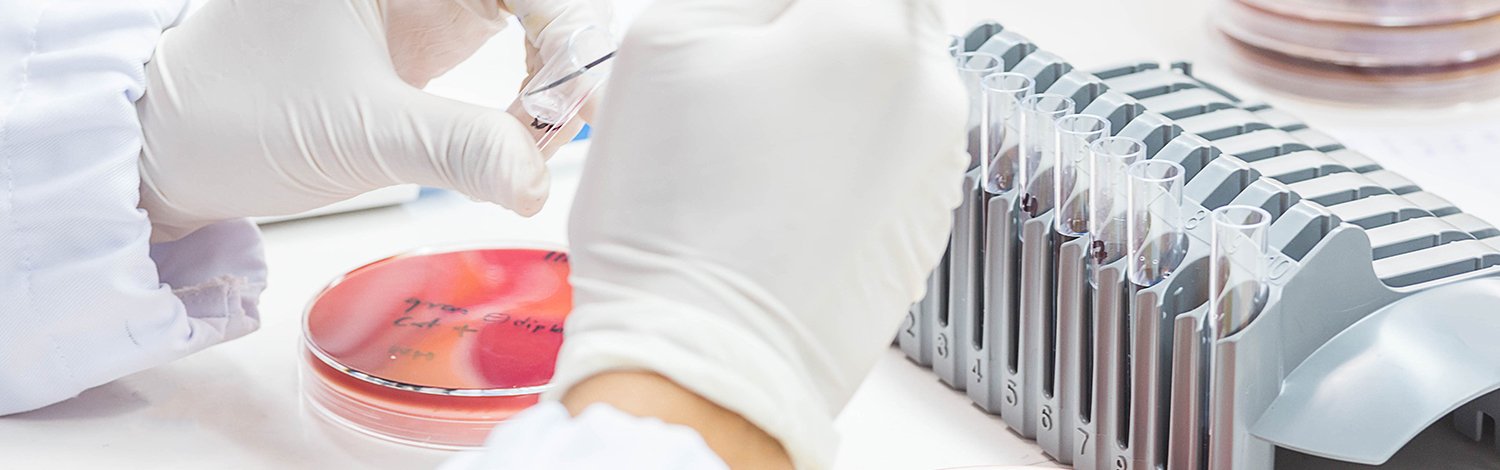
[(1379, 320)]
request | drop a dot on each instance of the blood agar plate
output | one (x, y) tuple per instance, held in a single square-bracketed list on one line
[(434, 348)]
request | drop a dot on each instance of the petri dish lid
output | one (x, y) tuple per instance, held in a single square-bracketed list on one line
[(1391, 13), (1397, 49), (1415, 87), (455, 322)]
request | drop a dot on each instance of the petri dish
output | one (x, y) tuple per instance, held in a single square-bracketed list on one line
[(1389, 13), (1378, 52), (1361, 45), (436, 347)]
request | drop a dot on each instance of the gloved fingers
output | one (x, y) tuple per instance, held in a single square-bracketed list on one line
[(675, 24), (550, 23), (533, 63), (484, 153), (717, 14), (427, 38), (925, 19), (921, 21), (927, 16), (551, 26)]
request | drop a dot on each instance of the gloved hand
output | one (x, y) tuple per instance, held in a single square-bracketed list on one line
[(771, 182), (270, 107)]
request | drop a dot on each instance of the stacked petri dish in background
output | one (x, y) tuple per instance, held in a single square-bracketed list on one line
[(1403, 52)]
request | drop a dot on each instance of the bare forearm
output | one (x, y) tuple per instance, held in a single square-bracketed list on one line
[(740, 443)]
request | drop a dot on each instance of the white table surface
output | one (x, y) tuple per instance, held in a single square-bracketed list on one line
[(237, 405)]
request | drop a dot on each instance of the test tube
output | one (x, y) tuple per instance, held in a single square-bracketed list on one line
[(1237, 291), (1237, 268), (1109, 197), (1075, 133), (1153, 226), (1038, 126), (973, 67), (558, 91), (1003, 93), (955, 46)]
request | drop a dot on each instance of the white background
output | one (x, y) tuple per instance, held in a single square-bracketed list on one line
[(237, 405)]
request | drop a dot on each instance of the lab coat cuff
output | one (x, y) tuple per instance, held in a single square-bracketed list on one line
[(218, 272)]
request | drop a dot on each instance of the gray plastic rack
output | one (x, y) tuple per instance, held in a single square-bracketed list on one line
[(1380, 320)]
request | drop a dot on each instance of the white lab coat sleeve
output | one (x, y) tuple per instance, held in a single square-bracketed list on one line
[(546, 436), (84, 297)]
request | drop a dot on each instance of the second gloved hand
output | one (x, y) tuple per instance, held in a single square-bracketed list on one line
[(771, 183), (272, 107)]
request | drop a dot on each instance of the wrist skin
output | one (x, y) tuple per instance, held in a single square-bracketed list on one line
[(738, 442)]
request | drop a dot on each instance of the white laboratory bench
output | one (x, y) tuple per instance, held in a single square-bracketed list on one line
[(237, 405)]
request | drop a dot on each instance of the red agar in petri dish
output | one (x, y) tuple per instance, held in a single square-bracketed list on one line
[(434, 348)]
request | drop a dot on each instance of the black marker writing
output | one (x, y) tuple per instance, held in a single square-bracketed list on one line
[(413, 303)]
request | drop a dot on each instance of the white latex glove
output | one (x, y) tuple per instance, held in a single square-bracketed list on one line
[(771, 183), (272, 107)]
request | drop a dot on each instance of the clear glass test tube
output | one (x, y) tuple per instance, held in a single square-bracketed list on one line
[(955, 46), (1038, 126), (1109, 196), (973, 67), (1003, 93), (559, 90), (1154, 228), (1070, 170), (1237, 268)]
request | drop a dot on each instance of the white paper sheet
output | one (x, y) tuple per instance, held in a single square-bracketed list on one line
[(1460, 163)]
